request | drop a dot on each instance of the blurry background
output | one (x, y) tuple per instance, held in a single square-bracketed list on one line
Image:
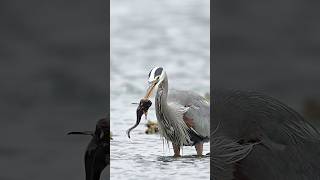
[(53, 68), (173, 34), (269, 46), (53, 79)]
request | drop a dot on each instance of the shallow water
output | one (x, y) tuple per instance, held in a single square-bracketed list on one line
[(144, 34)]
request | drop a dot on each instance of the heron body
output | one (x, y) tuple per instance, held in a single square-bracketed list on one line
[(174, 107), (258, 137)]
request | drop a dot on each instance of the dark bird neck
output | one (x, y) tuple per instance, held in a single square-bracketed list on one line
[(96, 158)]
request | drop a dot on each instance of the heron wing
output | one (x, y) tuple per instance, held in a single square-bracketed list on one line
[(177, 131), (254, 115), (198, 109), (286, 142), (225, 153)]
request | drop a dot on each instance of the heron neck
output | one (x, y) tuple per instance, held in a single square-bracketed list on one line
[(162, 92)]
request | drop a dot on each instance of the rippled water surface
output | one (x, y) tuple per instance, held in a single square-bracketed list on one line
[(147, 33)]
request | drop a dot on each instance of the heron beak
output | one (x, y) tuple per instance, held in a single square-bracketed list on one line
[(150, 89)]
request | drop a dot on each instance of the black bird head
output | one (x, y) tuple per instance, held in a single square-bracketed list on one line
[(97, 155), (102, 132)]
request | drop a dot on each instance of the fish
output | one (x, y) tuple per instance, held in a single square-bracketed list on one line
[(143, 107)]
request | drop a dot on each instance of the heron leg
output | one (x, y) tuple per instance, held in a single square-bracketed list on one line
[(199, 148), (176, 150)]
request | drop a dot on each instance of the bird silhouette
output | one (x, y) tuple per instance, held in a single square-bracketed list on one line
[(97, 155)]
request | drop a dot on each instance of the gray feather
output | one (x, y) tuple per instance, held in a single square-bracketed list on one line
[(288, 146)]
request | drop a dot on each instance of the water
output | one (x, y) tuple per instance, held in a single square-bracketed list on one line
[(145, 34)]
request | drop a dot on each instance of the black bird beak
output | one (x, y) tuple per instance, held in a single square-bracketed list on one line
[(81, 133)]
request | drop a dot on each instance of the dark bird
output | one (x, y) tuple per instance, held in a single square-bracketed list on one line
[(97, 155), (258, 137)]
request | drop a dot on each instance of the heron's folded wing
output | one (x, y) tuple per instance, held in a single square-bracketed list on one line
[(174, 113), (199, 109), (246, 114)]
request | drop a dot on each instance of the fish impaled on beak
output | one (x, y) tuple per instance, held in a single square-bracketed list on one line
[(143, 107)]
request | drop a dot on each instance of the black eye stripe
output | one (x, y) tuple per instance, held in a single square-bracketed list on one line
[(149, 73), (158, 72)]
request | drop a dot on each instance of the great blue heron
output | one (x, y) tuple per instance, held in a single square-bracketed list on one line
[(97, 155), (258, 137), (183, 116)]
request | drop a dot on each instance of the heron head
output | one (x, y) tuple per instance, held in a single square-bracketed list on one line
[(156, 77)]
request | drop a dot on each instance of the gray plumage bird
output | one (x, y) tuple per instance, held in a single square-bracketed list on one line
[(258, 137), (183, 116)]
